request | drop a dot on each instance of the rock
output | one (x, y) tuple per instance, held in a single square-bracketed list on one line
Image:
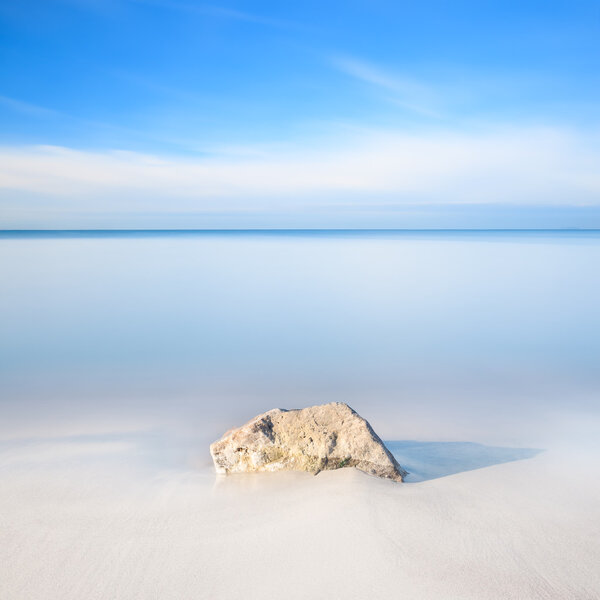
[(329, 436)]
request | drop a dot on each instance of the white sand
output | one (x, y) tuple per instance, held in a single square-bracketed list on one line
[(125, 516)]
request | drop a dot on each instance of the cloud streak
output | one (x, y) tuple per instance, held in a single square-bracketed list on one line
[(405, 92), (27, 108), (222, 12), (536, 166)]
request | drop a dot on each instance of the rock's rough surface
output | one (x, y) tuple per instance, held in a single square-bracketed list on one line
[(329, 436)]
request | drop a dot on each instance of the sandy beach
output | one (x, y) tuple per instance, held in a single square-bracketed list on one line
[(139, 515)]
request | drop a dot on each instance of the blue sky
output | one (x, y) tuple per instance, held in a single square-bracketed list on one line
[(168, 113)]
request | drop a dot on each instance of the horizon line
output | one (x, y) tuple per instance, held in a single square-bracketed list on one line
[(297, 229)]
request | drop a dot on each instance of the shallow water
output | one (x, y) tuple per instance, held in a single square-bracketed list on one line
[(443, 336)]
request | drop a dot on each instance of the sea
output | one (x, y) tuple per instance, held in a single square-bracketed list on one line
[(438, 335)]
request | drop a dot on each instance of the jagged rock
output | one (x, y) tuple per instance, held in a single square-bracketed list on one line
[(329, 436)]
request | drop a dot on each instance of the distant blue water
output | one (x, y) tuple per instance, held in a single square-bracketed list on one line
[(462, 234), (448, 331)]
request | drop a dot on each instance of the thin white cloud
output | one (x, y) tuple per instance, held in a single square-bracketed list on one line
[(43, 113), (402, 91), (512, 167), (211, 10), (27, 108)]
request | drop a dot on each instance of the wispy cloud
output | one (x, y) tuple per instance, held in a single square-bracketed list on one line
[(219, 12), (27, 108), (94, 125), (407, 93), (510, 166)]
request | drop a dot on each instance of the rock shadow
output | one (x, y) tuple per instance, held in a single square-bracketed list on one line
[(431, 460)]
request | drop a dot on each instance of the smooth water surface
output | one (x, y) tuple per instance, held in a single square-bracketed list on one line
[(472, 336)]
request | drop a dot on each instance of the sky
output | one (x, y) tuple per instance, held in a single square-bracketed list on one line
[(315, 114)]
